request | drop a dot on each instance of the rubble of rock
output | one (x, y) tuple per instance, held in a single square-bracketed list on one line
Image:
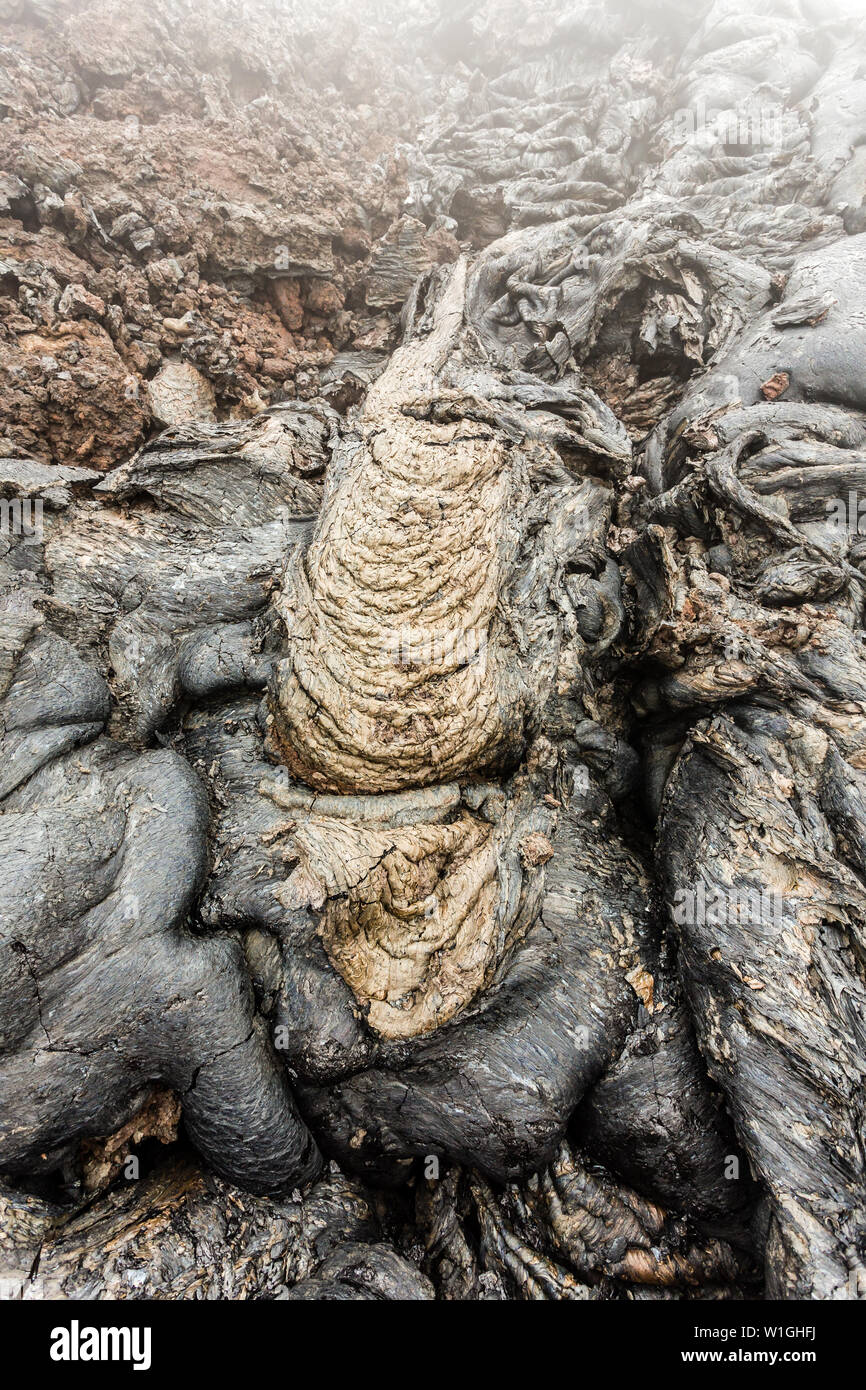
[(431, 667)]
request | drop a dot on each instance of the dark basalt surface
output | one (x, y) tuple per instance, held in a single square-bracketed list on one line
[(657, 1089)]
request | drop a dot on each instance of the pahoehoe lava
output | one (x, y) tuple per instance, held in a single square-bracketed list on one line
[(432, 682)]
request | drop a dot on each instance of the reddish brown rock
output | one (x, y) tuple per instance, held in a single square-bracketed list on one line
[(776, 386), (66, 397)]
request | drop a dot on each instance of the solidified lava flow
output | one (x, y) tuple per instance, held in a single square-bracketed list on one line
[(432, 677)]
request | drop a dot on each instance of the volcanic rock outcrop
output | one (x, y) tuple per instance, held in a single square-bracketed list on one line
[(431, 675)]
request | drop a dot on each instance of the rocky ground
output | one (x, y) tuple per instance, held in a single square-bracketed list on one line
[(431, 619)]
